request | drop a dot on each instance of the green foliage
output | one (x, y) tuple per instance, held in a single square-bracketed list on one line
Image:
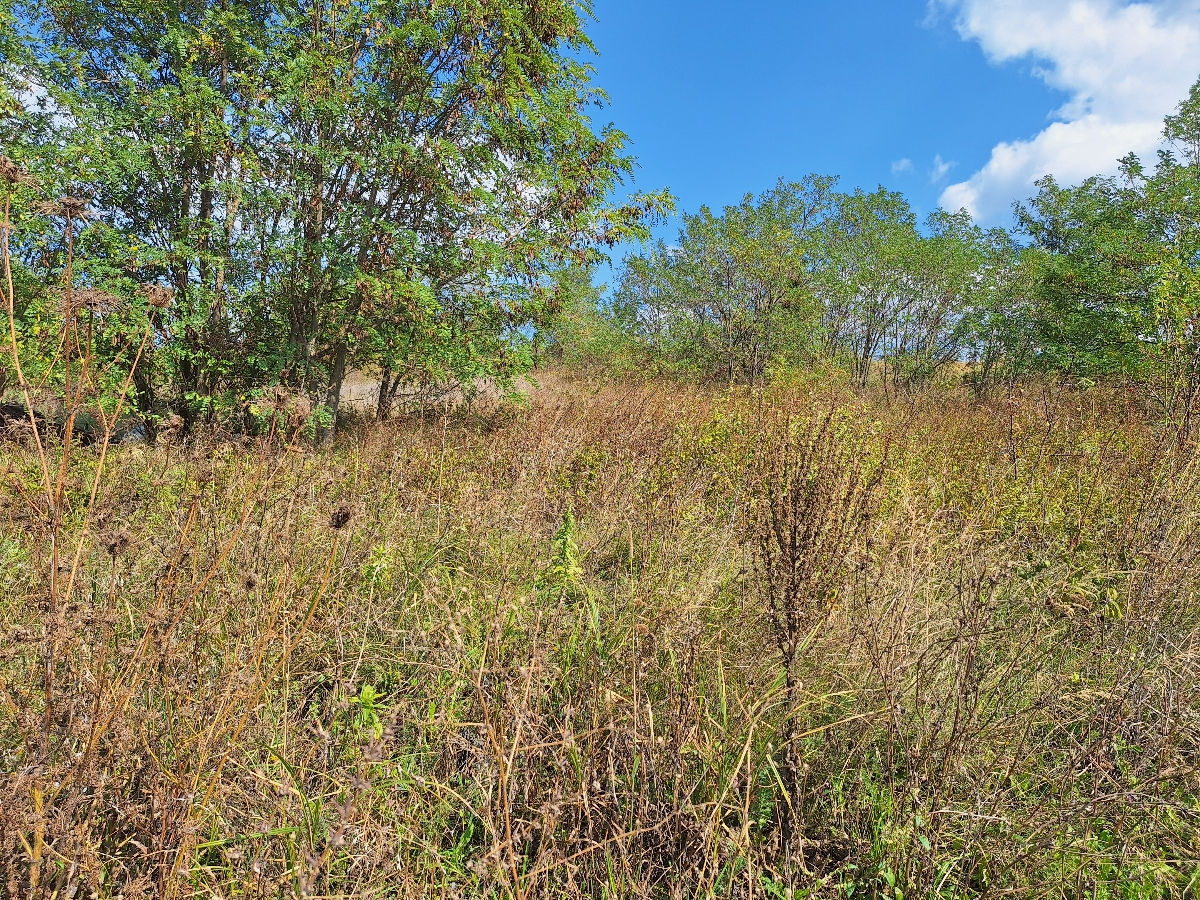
[(1091, 282), (733, 297), (563, 577), (385, 185), (1106, 284), (803, 273), (1112, 269), (586, 333)]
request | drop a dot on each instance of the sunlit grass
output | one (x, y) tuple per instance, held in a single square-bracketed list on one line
[(529, 653)]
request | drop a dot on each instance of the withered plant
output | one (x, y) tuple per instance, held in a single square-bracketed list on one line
[(815, 488)]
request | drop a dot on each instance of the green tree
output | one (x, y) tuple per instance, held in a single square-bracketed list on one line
[(386, 184), (589, 332), (1091, 276), (948, 268), (998, 323), (868, 252), (734, 295), (153, 107), (1170, 203)]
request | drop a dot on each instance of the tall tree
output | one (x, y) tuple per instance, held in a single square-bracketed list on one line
[(1170, 203), (1091, 276), (868, 251), (381, 183), (948, 267), (734, 294)]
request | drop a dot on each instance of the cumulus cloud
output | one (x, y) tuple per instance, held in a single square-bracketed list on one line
[(900, 166), (940, 169), (1123, 65)]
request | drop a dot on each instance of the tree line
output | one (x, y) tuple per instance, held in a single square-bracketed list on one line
[(1094, 281), (226, 200)]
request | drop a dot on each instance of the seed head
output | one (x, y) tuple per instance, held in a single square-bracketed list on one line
[(341, 517), (96, 300), (116, 543), (12, 174), (298, 412), (157, 295), (65, 207)]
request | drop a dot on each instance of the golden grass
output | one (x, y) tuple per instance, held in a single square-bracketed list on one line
[(536, 652)]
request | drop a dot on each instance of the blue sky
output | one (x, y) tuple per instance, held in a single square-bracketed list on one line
[(959, 102)]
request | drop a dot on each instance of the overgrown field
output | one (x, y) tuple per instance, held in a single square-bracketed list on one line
[(630, 641)]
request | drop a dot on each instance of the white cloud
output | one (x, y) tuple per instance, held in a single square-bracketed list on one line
[(1123, 66), (940, 169), (900, 166)]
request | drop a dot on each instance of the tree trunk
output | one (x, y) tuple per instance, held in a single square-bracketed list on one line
[(383, 406), (337, 377)]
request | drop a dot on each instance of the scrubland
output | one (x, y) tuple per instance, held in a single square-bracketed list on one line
[(627, 640)]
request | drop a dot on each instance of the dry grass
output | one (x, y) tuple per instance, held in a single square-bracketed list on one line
[(570, 651)]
